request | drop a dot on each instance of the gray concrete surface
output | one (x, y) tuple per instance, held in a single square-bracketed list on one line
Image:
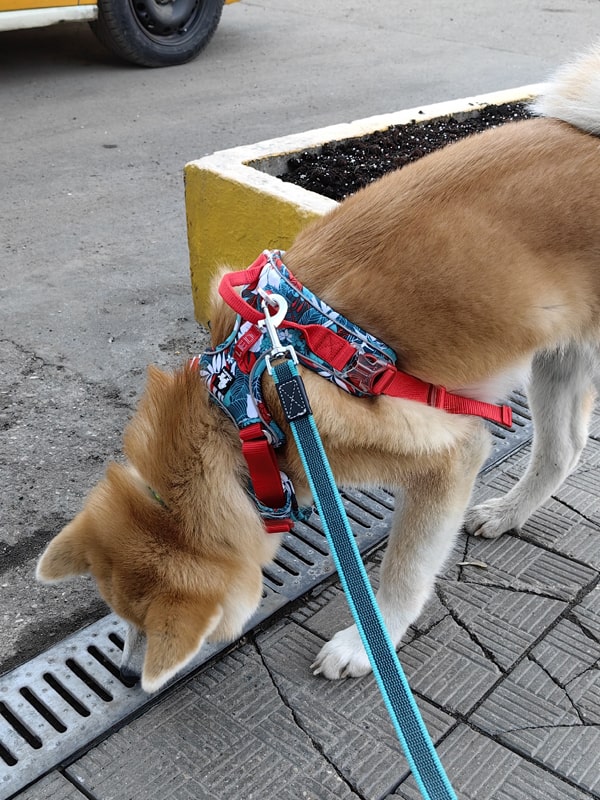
[(94, 285)]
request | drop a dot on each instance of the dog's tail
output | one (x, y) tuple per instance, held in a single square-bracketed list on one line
[(573, 94)]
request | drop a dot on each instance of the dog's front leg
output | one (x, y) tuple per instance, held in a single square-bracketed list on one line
[(423, 533)]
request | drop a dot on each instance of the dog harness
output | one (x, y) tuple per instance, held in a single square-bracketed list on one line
[(325, 342)]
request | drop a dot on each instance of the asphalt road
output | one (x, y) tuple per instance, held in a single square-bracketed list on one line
[(93, 253)]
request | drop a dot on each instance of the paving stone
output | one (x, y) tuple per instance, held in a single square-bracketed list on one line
[(347, 719), (557, 527), (496, 482), (442, 660), (504, 622), (513, 563), (525, 702), (447, 666), (567, 651), (442, 657), (314, 603), (587, 613), (481, 769), (533, 713), (505, 474), (572, 659), (580, 490), (52, 787), (227, 733), (327, 618)]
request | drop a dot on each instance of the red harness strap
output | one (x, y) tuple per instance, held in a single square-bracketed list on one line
[(245, 277), (394, 383), (264, 474)]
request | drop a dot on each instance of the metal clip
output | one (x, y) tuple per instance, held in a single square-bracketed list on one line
[(270, 324)]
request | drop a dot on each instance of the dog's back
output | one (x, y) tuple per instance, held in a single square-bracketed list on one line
[(479, 255)]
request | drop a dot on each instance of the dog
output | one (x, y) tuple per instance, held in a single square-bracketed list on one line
[(480, 266)]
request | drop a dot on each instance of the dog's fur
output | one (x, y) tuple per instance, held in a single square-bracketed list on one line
[(477, 264)]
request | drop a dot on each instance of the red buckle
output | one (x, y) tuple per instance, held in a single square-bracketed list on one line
[(365, 372)]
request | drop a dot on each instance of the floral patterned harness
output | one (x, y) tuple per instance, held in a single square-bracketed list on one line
[(325, 342)]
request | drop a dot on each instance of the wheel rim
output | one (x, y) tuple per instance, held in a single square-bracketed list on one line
[(164, 20)]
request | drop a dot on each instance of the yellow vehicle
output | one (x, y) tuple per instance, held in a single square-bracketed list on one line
[(152, 33)]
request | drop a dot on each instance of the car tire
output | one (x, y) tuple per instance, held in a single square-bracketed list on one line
[(157, 33)]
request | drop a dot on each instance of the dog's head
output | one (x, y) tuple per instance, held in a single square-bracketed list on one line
[(171, 538)]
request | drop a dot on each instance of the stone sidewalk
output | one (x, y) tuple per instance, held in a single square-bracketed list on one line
[(505, 663)]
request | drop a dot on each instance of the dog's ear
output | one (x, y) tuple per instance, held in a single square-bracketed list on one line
[(65, 556), (175, 631)]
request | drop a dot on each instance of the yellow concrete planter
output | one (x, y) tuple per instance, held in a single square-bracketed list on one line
[(236, 206)]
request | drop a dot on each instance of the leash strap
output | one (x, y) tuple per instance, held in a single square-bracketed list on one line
[(423, 760)]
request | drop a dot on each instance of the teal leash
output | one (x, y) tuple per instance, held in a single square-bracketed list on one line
[(420, 753)]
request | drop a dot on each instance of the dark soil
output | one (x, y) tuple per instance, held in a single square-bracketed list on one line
[(341, 168)]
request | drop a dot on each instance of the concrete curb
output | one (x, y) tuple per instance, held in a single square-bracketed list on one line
[(236, 206)]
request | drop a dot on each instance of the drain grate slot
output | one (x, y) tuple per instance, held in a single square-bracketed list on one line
[(7, 757), (354, 515), (106, 662), (273, 579), (384, 497), (66, 695), (73, 694), (78, 670), (43, 709), (313, 541), (117, 641), (365, 504), (286, 563), (293, 547), (20, 727)]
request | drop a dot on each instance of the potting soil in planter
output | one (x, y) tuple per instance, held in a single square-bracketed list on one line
[(341, 168)]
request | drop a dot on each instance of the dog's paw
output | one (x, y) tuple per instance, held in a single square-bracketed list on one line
[(491, 519), (343, 657)]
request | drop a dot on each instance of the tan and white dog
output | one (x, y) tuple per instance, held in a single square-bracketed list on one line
[(477, 264)]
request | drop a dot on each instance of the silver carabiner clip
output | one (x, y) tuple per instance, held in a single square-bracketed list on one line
[(270, 324)]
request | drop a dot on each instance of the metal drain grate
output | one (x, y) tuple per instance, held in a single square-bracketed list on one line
[(506, 442), (70, 696)]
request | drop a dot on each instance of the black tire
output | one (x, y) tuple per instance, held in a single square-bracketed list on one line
[(157, 33)]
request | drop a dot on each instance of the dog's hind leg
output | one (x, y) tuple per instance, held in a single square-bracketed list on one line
[(424, 530), (561, 398)]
